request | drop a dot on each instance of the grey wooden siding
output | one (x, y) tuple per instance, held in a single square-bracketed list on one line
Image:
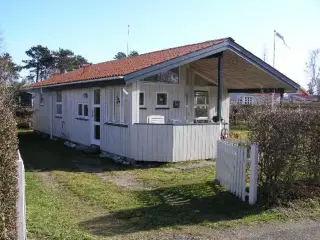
[(116, 140), (173, 143), (151, 142), (195, 142), (41, 120)]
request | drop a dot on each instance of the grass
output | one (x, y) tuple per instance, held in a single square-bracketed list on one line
[(68, 202), (240, 129)]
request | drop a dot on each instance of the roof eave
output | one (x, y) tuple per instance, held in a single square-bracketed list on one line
[(78, 82)]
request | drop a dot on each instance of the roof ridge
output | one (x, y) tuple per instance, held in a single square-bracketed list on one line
[(166, 49)]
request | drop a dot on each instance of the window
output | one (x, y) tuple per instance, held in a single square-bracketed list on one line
[(201, 104), (240, 100), (59, 104), (162, 100), (82, 110), (171, 76), (141, 99), (247, 100), (41, 99), (117, 105)]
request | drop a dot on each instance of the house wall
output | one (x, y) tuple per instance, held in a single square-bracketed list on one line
[(41, 120), (67, 125), (179, 92)]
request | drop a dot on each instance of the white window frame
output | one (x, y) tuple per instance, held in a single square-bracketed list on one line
[(240, 99), (123, 93), (82, 107), (162, 106), (250, 100), (144, 99), (59, 103), (201, 105)]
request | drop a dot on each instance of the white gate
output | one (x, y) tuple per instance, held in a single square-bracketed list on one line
[(231, 169)]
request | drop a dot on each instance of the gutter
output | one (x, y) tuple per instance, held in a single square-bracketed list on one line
[(78, 82)]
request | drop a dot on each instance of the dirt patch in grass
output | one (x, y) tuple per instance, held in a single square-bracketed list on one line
[(125, 180), (190, 167)]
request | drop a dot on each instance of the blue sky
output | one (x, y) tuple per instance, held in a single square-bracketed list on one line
[(98, 29)]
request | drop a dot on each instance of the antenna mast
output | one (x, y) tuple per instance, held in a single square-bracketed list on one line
[(128, 41)]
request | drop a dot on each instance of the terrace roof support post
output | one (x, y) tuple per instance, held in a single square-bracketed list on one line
[(220, 68), (281, 96)]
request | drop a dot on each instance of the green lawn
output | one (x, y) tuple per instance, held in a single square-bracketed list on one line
[(240, 129), (73, 196)]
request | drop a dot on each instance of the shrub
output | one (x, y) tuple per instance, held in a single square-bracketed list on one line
[(8, 167), (289, 145)]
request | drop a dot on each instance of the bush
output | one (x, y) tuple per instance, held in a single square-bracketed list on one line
[(289, 145), (8, 167)]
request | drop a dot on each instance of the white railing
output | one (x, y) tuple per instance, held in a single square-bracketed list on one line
[(21, 209), (231, 169)]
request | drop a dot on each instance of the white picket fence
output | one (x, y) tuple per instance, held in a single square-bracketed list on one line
[(21, 204), (231, 169)]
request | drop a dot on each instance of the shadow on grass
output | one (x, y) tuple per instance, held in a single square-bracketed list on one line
[(42, 154), (200, 203)]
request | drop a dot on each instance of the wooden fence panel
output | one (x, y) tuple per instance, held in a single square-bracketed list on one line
[(231, 169)]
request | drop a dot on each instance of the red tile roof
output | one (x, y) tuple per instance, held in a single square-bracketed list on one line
[(125, 66)]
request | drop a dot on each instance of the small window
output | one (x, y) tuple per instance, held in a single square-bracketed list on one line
[(162, 99), (248, 100), (201, 105), (170, 76), (59, 104), (79, 109), (41, 99), (82, 110), (141, 99), (59, 109), (85, 110), (240, 100)]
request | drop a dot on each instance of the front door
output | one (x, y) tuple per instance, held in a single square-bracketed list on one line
[(96, 118)]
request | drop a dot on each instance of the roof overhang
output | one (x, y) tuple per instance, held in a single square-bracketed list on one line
[(119, 80), (214, 51)]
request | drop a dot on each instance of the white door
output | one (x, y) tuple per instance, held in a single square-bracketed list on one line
[(95, 117)]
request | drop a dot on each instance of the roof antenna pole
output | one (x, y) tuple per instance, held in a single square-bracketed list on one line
[(128, 42)]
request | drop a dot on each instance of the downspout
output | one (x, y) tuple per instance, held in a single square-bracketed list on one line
[(51, 115)]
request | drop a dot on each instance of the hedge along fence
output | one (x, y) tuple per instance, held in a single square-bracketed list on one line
[(8, 167), (289, 145)]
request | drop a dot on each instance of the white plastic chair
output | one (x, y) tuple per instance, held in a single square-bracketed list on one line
[(157, 119)]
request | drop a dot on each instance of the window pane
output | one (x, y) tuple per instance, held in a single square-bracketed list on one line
[(201, 97), (126, 112), (85, 110), (141, 99), (117, 104), (96, 96), (59, 109), (79, 109), (97, 114), (97, 132), (162, 99), (201, 111), (59, 97), (171, 76)]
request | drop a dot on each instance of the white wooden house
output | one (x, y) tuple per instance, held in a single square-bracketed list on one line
[(156, 106)]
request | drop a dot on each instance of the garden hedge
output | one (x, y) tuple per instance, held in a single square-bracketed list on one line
[(289, 145), (8, 167)]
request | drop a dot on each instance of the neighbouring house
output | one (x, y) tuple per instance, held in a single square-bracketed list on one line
[(254, 98), (257, 98), (156, 106)]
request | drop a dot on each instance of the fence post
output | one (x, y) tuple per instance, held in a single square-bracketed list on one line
[(21, 214), (253, 174)]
